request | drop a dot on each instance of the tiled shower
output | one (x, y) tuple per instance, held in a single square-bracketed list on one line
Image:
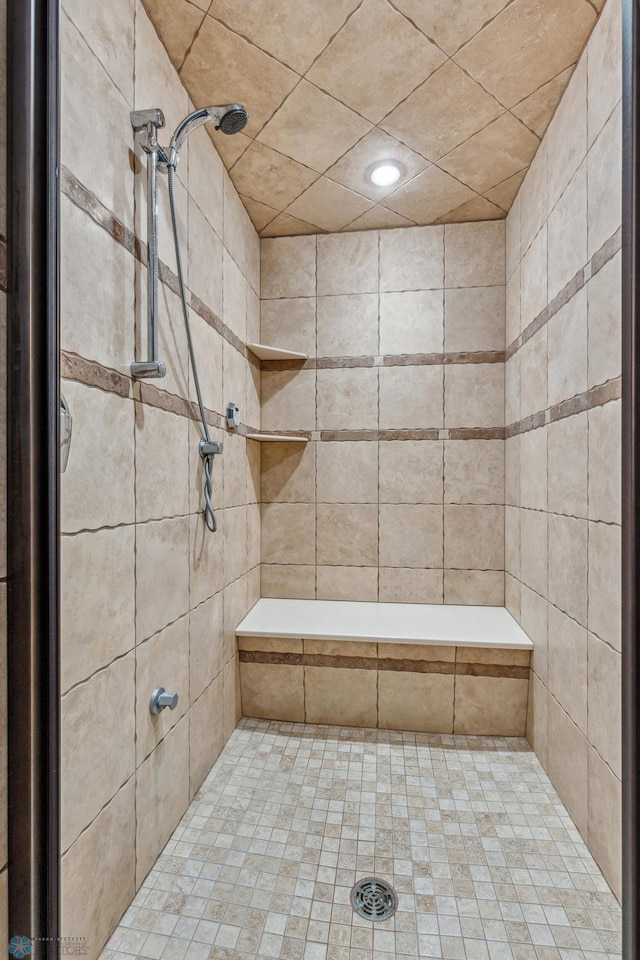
[(452, 437)]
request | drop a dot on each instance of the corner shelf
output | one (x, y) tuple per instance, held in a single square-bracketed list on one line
[(275, 437), (263, 352)]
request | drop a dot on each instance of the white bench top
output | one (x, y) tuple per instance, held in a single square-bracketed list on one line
[(429, 623)]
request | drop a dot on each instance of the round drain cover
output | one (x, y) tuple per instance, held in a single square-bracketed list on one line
[(374, 899)]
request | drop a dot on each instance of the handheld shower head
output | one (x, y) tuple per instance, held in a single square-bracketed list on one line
[(230, 118)]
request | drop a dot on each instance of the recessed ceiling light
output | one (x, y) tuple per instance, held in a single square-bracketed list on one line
[(385, 173)]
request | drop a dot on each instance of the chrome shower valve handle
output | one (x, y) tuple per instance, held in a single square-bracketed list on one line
[(161, 699)]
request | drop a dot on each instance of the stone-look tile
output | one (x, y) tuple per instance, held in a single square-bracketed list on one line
[(289, 323), (533, 280), (538, 719), (337, 648), (410, 471), (234, 308), (288, 533), (97, 290), (288, 400), (404, 585), (412, 322), (567, 447), (534, 374), (567, 339), (512, 377), (412, 259), (513, 251), (97, 27), (512, 540), (399, 58), (328, 205), (493, 655), (491, 706), (605, 443), (537, 109), (288, 267), (567, 665), (94, 900), (288, 581), (605, 826), (205, 553), (512, 306), (605, 702), (98, 745), (270, 644), (347, 534), (347, 583), (235, 604), (177, 24), (285, 226), (604, 177), (98, 606), (379, 218), (347, 398), (206, 180), (483, 588), (270, 178), (287, 472), (339, 696), (162, 574), (474, 537), (86, 89), (234, 464), (206, 733), (474, 319), (568, 566), (299, 127), (567, 233), (347, 325), (604, 583), (504, 194), (162, 661), (272, 691), (411, 397), (348, 264), (351, 170), (162, 478), (512, 471), (604, 298), (533, 469), (533, 550), (477, 209), (347, 472), (474, 395), (207, 261), (474, 471), (162, 791), (474, 254), (534, 200), (567, 763), (604, 73), (411, 535), (91, 497), (534, 620), (567, 134), (208, 346), (429, 197), (234, 376), (206, 645), (236, 224), (231, 697), (521, 48), (415, 701), (500, 150)]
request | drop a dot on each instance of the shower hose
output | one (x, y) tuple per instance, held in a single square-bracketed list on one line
[(209, 512)]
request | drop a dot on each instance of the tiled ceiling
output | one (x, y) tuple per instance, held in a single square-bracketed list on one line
[(458, 92)]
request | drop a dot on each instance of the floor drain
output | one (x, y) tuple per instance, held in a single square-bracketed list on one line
[(374, 899)]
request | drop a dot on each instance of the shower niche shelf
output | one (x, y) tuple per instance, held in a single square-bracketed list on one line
[(276, 438), (263, 352)]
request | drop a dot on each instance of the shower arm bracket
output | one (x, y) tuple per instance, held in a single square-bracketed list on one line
[(146, 123)]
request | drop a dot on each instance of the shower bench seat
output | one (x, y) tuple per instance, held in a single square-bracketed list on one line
[(430, 668)]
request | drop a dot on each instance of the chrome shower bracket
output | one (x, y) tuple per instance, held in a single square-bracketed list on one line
[(146, 123), (210, 448)]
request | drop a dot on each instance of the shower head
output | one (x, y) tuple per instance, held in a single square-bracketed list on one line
[(230, 118)]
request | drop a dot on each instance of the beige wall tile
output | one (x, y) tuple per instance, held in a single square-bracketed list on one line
[(474, 537), (567, 764), (567, 134), (512, 321), (533, 620), (474, 254), (274, 692), (412, 322), (410, 535), (512, 540), (493, 655), (490, 706), (568, 233), (340, 697), (346, 398), (533, 280), (288, 533), (415, 701), (412, 259), (537, 720), (416, 651), (605, 443), (288, 267), (347, 534), (604, 582), (568, 466), (290, 581), (234, 307), (162, 481), (162, 661), (235, 604), (97, 26), (534, 202), (288, 472), (98, 601), (348, 263), (605, 822), (341, 648), (289, 323), (604, 298), (567, 665), (474, 471), (288, 399), (94, 900), (477, 587), (534, 374), (405, 585), (205, 551), (206, 645), (206, 258), (98, 744), (604, 73), (208, 346), (411, 471), (206, 180), (604, 174), (411, 397), (206, 733), (474, 318), (474, 395), (162, 574), (232, 699), (533, 469), (162, 791), (270, 644), (605, 703), (347, 472), (533, 550), (347, 583), (348, 325), (568, 566)]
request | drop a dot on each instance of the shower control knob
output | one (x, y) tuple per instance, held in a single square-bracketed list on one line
[(161, 699)]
